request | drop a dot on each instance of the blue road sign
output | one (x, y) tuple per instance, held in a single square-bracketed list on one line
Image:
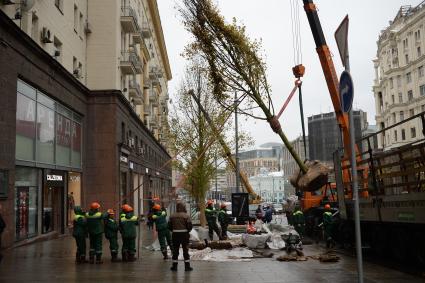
[(346, 91)]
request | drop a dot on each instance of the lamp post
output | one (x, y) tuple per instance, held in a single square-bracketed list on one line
[(236, 142)]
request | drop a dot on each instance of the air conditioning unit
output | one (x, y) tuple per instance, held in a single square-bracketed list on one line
[(131, 142), (87, 28), (46, 35), (57, 53), (77, 73)]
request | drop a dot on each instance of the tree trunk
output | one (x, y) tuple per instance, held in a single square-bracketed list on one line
[(202, 218)]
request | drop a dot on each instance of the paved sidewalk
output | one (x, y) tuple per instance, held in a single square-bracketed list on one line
[(53, 261)]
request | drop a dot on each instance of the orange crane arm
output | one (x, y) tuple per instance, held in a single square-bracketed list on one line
[(328, 70)]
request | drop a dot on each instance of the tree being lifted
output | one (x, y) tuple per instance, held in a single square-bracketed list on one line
[(235, 65)]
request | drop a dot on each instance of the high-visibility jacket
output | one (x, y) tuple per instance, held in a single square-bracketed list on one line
[(94, 222), (80, 226), (210, 214), (128, 225), (160, 219)]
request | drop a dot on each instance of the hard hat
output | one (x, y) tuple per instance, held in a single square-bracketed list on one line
[(223, 205), (327, 206), (156, 207), (111, 211), (156, 198), (127, 208), (94, 205), (209, 202)]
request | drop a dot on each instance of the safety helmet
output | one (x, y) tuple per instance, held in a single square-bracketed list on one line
[(327, 206), (209, 202), (111, 211), (223, 205), (156, 207), (126, 208), (155, 199), (94, 205)]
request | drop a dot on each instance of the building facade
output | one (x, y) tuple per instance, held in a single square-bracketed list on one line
[(106, 44), (63, 144), (289, 165), (324, 135), (270, 186), (399, 85)]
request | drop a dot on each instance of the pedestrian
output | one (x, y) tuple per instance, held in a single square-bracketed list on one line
[(223, 220), (328, 226), (111, 233), (180, 224), (211, 215), (150, 220), (259, 213), (80, 234), (299, 221), (268, 216), (128, 224), (164, 237), (95, 228), (2, 228)]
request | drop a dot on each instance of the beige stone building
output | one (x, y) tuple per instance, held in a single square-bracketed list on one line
[(399, 85), (106, 44)]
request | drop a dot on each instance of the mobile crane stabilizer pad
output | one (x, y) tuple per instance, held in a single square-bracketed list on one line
[(315, 178)]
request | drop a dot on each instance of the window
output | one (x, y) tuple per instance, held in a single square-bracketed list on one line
[(35, 34), (413, 132), (395, 135), (75, 18), (58, 48), (392, 98), (405, 43), (74, 64), (409, 77), (410, 95), (391, 83), (421, 71), (400, 97), (394, 118), (403, 134), (412, 112), (422, 90), (422, 108), (419, 51), (418, 35), (406, 56), (398, 81), (401, 116), (59, 5), (81, 25)]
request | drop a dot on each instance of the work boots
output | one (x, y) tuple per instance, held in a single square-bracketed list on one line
[(91, 259), (124, 256), (187, 266), (165, 254), (77, 258), (114, 257), (83, 259), (99, 259), (174, 267)]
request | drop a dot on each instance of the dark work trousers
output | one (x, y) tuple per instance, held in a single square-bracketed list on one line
[(180, 238)]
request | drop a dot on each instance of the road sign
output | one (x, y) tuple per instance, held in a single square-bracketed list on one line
[(346, 91), (341, 37)]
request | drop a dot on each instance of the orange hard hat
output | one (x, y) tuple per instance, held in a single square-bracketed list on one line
[(156, 198), (209, 202), (156, 207), (111, 211), (94, 205), (126, 208), (327, 206)]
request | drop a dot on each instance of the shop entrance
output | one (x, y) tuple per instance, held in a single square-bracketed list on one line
[(53, 202)]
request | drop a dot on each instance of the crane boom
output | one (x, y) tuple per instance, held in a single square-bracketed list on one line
[(226, 149), (328, 70)]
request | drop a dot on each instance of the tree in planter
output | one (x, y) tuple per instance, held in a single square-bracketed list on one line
[(236, 65), (193, 139)]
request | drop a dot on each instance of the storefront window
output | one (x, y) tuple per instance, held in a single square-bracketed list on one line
[(74, 194), (26, 205), (25, 127), (53, 202), (63, 140), (45, 130), (45, 134)]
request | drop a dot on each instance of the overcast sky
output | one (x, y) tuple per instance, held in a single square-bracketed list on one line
[(270, 20)]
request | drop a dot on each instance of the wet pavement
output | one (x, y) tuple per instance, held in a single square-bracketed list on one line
[(53, 261)]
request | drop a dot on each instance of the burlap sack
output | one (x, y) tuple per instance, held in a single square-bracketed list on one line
[(315, 178)]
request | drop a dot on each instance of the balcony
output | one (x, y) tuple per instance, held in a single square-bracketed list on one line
[(135, 92), (147, 110), (153, 122), (137, 37), (130, 63), (153, 98), (129, 20)]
